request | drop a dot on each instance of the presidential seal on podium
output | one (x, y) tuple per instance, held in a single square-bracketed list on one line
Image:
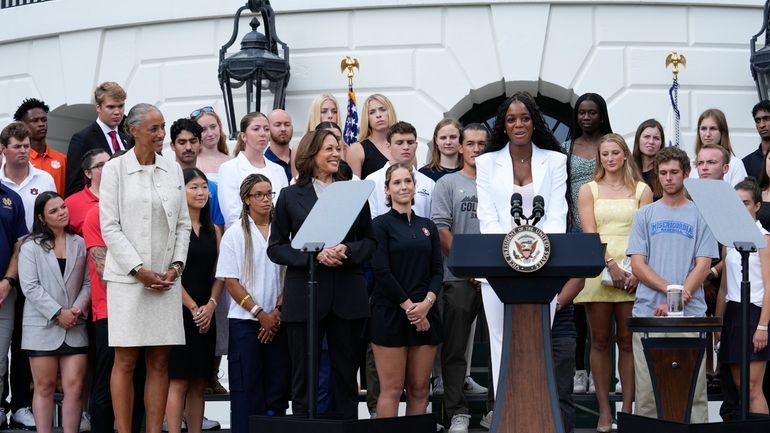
[(526, 248)]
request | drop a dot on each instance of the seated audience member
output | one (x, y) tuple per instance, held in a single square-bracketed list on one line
[(408, 266), (754, 162), (370, 152), (52, 272), (189, 365), (80, 203), (34, 113), (258, 360), (669, 243), (402, 145), (444, 155), (712, 129), (103, 133)]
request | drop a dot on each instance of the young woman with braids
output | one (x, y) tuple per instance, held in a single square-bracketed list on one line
[(524, 157), (258, 357)]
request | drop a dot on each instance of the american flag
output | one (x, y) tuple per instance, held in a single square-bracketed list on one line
[(350, 135)]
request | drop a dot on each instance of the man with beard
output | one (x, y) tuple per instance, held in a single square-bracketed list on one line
[(754, 160), (34, 113), (281, 130)]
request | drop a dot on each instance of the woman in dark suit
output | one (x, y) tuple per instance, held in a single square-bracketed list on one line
[(52, 271), (342, 299)]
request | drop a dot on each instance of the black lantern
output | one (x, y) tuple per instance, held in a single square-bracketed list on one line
[(760, 59), (258, 64)]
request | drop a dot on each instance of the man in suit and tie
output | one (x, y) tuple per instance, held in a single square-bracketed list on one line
[(110, 106)]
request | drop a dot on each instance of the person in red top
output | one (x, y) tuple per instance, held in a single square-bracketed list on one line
[(81, 203), (100, 405), (34, 113)]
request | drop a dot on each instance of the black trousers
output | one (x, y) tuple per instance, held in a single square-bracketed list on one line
[(343, 337), (100, 407), (20, 380)]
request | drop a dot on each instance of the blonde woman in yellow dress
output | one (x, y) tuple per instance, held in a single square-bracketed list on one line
[(607, 206)]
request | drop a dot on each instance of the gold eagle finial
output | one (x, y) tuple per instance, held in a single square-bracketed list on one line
[(675, 59), (347, 65)]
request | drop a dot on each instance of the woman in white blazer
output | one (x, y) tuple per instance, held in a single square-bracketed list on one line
[(146, 228), (53, 277), (523, 157)]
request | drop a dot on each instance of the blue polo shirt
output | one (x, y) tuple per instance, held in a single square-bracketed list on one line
[(273, 157), (13, 224)]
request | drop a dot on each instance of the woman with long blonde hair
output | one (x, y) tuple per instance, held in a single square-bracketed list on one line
[(370, 153), (607, 206)]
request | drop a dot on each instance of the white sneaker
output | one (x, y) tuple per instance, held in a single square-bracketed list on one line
[(210, 424), (85, 423), (591, 387), (486, 420), (23, 419), (471, 387), (438, 386), (580, 382), (460, 423), (3, 419)]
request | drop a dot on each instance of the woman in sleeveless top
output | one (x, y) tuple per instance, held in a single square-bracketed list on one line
[(607, 206), (648, 141), (370, 153)]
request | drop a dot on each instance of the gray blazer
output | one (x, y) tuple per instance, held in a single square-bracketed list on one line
[(47, 291)]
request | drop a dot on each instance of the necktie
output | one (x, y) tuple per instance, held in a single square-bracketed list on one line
[(114, 137)]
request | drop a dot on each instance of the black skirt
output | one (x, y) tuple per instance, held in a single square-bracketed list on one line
[(730, 342), (391, 328), (63, 350)]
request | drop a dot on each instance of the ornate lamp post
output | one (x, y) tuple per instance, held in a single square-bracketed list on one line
[(257, 65), (760, 59)]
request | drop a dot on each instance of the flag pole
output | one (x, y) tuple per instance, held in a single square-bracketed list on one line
[(676, 60), (349, 66)]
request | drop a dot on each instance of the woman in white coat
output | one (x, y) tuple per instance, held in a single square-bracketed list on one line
[(52, 272), (524, 157), (146, 227)]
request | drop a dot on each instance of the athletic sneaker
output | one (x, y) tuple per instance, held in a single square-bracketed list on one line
[(460, 423), (580, 382), (23, 419), (591, 386), (438, 386), (210, 424), (471, 387), (486, 420)]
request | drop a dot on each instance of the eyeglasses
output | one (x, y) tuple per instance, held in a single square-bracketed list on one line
[(198, 112), (98, 166), (262, 196)]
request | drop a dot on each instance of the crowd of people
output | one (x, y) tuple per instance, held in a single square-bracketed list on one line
[(129, 270)]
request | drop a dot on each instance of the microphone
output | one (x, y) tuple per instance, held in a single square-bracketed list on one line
[(538, 209), (516, 208)]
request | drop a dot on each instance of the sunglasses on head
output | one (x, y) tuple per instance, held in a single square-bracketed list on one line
[(198, 112)]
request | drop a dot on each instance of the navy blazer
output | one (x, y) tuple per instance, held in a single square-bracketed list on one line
[(91, 137), (341, 289)]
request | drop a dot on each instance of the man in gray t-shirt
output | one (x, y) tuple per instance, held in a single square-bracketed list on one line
[(669, 243), (453, 210)]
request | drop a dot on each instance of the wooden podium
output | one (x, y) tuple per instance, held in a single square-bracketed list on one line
[(674, 362), (526, 400)]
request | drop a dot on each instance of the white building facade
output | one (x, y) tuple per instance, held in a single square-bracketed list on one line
[(432, 58)]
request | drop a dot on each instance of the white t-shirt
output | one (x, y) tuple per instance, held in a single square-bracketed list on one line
[(36, 182), (734, 277), (232, 173), (422, 196), (264, 286)]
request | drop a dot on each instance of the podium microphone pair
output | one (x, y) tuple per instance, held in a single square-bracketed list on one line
[(517, 209)]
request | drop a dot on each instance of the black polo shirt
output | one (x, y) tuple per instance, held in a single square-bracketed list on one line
[(753, 162)]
